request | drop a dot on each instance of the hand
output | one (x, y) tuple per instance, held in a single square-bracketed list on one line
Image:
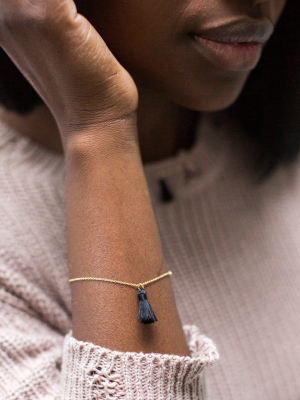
[(67, 62)]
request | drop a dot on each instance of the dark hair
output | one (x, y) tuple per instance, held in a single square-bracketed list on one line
[(268, 107)]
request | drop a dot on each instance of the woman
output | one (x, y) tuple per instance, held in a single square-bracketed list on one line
[(128, 155)]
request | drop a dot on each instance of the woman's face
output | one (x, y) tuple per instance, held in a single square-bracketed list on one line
[(153, 40)]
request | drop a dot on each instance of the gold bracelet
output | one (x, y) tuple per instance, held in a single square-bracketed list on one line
[(146, 314)]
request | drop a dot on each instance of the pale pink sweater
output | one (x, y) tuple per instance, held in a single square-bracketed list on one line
[(233, 248)]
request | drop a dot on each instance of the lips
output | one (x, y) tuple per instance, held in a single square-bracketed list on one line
[(238, 31), (236, 45)]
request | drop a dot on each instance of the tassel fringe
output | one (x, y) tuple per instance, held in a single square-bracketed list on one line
[(146, 314)]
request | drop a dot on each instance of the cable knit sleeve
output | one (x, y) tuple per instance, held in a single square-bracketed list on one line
[(94, 372), (38, 362)]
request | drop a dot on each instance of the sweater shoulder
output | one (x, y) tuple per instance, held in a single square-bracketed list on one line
[(26, 157), (33, 250)]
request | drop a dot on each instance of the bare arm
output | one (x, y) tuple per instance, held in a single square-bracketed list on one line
[(112, 233), (111, 228)]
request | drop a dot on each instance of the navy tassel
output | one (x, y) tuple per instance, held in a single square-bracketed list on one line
[(146, 314)]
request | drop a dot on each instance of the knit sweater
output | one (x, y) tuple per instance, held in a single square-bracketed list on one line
[(233, 247)]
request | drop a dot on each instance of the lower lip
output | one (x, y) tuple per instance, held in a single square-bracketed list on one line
[(229, 56)]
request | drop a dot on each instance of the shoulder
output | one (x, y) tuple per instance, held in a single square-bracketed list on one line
[(33, 250)]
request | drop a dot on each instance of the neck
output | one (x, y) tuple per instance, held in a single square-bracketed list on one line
[(163, 127)]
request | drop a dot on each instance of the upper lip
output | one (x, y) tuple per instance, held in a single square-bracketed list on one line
[(238, 31)]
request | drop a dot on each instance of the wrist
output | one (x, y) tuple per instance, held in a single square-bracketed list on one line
[(111, 137)]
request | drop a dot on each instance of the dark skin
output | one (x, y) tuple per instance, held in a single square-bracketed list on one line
[(111, 226), (176, 124), (140, 34)]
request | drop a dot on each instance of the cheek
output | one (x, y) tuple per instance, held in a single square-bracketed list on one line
[(125, 23), (139, 33), (127, 26)]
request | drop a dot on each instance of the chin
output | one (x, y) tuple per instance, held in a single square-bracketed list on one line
[(215, 100), (211, 97), (210, 103), (216, 104)]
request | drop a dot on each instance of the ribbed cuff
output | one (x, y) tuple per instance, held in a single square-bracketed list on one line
[(92, 372)]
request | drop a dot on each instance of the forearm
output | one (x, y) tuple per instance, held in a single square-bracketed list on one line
[(112, 233)]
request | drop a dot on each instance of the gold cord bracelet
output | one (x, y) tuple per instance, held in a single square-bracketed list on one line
[(146, 314)]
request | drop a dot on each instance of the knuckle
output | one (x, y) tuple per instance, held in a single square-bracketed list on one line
[(18, 16), (34, 13), (19, 23)]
